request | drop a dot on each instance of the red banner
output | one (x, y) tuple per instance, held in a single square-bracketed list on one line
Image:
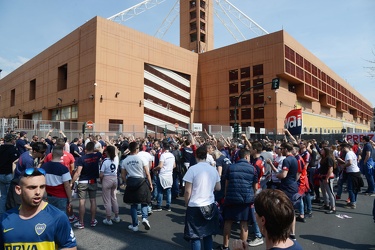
[(293, 121)]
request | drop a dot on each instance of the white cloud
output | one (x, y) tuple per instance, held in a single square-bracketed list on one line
[(8, 65)]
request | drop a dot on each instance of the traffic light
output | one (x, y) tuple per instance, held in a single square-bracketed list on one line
[(236, 128), (84, 128), (275, 83)]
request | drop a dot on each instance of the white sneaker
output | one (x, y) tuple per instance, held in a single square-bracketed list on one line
[(146, 223), (107, 222), (256, 242), (117, 219), (134, 229)]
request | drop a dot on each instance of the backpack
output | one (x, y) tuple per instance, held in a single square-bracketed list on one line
[(179, 161)]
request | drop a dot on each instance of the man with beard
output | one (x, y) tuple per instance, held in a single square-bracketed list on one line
[(35, 224)]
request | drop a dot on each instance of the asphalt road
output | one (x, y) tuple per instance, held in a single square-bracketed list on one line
[(322, 231)]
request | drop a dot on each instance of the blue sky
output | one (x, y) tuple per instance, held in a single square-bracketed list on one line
[(341, 33)]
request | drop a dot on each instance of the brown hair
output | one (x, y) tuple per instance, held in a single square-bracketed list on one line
[(278, 212)]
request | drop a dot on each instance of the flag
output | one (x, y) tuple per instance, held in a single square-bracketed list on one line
[(293, 121)]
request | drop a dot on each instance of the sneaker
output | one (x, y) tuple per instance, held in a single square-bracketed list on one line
[(256, 242), (300, 219), (146, 223), (308, 215), (73, 219), (79, 225), (167, 208), (134, 229), (107, 222), (349, 205), (223, 248), (156, 209), (93, 223), (251, 236), (331, 212), (117, 219), (325, 207)]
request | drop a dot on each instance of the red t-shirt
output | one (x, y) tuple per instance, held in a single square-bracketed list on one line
[(67, 159)]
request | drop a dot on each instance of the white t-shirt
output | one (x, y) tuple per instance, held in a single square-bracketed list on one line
[(210, 160), (279, 161), (109, 168), (133, 164), (168, 160), (203, 178), (98, 146), (146, 157), (353, 168)]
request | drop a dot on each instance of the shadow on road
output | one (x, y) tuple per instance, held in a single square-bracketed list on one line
[(338, 243)]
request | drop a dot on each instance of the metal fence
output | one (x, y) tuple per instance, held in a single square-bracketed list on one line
[(75, 129)]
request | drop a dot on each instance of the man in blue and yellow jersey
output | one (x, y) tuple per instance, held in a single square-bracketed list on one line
[(35, 224)]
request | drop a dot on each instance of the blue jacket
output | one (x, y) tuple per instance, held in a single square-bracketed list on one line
[(241, 178)]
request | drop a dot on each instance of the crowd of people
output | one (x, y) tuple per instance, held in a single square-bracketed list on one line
[(222, 180)]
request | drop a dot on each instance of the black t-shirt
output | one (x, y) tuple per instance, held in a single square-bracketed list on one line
[(74, 147), (325, 164), (8, 154), (90, 166), (223, 162), (188, 155)]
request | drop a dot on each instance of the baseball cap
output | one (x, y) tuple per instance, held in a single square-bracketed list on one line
[(22, 133), (9, 137)]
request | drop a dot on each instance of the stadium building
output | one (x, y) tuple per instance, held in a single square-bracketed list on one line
[(116, 76)]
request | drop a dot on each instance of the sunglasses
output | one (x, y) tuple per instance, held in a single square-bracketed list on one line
[(34, 172)]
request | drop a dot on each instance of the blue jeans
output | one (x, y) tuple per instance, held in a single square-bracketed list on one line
[(139, 209), (160, 194), (177, 180), (307, 202), (60, 203), (255, 224), (5, 180), (133, 213), (154, 194), (352, 194), (207, 243), (373, 211), (369, 175), (299, 205), (340, 183)]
